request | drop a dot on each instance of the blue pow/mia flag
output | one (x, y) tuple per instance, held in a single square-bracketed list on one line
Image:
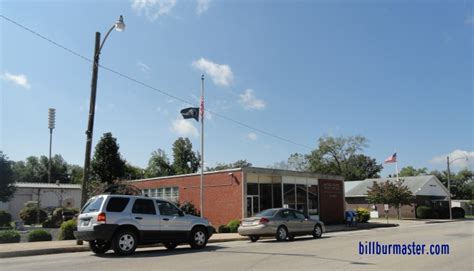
[(190, 112)]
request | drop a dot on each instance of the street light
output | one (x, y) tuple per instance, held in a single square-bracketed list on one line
[(119, 25), (449, 183)]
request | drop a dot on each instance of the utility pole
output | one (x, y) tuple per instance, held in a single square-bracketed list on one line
[(201, 196), (449, 190)]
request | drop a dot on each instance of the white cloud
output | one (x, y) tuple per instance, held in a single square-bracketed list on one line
[(184, 128), (153, 9), (17, 79), (252, 136), (202, 6), (220, 74), (250, 102), (457, 158), (143, 67)]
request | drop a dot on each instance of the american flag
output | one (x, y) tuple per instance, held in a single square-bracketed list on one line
[(391, 159)]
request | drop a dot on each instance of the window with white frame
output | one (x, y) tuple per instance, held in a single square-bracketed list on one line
[(167, 193)]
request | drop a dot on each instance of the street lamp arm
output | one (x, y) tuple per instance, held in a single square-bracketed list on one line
[(105, 38), (451, 161)]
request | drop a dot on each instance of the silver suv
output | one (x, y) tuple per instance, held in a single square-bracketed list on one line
[(122, 222)]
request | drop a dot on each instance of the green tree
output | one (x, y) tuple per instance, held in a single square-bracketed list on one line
[(340, 156), (411, 171), (76, 173), (107, 164), (158, 165), (7, 186), (462, 185), (133, 172), (29, 170), (35, 170), (395, 194), (236, 164), (185, 160)]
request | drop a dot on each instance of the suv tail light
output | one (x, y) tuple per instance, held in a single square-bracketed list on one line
[(263, 220), (101, 218)]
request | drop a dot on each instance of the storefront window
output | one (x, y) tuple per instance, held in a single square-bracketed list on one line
[(313, 208), (252, 189), (289, 195), (277, 195), (301, 203), (265, 196)]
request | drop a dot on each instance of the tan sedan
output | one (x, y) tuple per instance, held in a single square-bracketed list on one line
[(283, 223)]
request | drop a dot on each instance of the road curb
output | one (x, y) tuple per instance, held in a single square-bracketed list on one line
[(83, 248)]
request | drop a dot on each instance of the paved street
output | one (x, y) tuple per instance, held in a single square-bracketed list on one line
[(335, 251)]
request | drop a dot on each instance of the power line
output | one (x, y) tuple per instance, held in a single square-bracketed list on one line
[(152, 87)]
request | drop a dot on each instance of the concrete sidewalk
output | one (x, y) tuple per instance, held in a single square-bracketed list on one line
[(53, 247)]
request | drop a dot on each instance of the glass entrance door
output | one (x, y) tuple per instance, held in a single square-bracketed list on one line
[(252, 205)]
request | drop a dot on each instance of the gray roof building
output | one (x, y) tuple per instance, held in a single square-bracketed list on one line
[(419, 185)]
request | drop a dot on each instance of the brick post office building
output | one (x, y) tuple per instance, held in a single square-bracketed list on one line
[(242, 192)]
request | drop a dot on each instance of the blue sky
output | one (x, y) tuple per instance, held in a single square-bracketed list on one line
[(397, 72)]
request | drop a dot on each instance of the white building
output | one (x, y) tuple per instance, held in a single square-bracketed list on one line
[(50, 195)]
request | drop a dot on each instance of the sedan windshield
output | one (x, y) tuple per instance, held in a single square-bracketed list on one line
[(269, 212)]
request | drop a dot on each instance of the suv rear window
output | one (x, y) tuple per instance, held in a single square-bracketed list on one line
[(144, 206), (117, 204), (93, 205)]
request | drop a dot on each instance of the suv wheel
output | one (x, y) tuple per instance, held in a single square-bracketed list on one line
[(124, 242), (170, 245), (99, 246), (198, 238), (281, 234)]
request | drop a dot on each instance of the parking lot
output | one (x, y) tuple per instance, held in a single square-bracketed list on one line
[(334, 251)]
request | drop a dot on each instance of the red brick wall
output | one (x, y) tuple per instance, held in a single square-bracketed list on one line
[(222, 194), (406, 211)]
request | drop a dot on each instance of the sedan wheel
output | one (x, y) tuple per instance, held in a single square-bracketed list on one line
[(282, 233), (317, 232)]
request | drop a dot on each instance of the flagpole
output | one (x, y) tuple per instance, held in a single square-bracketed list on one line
[(202, 146), (396, 165)]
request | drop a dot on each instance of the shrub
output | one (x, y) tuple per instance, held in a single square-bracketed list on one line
[(457, 212), (223, 229), (39, 235), (28, 215), (9, 236), (67, 229), (424, 212), (233, 225), (363, 215), (5, 219)]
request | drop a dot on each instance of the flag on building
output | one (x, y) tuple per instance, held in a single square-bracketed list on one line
[(391, 159), (190, 112)]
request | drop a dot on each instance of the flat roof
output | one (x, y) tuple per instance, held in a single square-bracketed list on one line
[(48, 185), (255, 170)]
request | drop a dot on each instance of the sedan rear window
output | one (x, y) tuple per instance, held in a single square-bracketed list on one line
[(92, 205), (269, 212)]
